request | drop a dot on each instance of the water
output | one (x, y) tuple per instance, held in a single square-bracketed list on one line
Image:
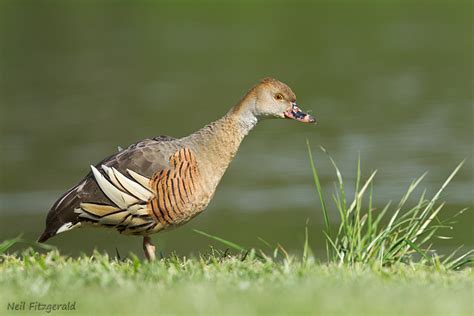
[(390, 81)]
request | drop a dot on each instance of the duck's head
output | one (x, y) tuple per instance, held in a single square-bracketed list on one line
[(271, 98)]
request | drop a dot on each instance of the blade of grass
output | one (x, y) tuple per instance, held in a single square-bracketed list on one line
[(306, 244), (427, 222), (339, 179), (362, 191), (318, 188), (417, 249), (437, 195), (7, 244), (222, 240), (461, 261)]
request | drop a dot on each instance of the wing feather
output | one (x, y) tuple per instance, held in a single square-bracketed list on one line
[(133, 187), (144, 181), (121, 199)]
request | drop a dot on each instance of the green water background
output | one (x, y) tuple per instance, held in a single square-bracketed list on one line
[(391, 80)]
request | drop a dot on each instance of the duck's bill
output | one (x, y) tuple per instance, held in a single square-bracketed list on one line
[(296, 114)]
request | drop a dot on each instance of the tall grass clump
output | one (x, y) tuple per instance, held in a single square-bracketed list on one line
[(367, 235)]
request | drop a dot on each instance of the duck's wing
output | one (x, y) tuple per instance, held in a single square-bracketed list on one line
[(139, 205), (138, 161)]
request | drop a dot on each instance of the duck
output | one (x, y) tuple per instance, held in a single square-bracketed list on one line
[(163, 182)]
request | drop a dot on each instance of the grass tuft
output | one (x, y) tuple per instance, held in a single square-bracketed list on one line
[(366, 236)]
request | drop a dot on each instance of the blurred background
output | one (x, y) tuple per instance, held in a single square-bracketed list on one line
[(391, 80)]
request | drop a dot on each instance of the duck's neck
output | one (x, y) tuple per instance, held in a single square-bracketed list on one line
[(217, 143)]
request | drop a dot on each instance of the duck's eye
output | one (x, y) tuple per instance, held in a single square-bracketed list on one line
[(278, 96)]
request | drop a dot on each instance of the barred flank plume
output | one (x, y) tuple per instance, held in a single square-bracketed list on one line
[(174, 188)]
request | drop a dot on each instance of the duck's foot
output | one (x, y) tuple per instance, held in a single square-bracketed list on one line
[(149, 248)]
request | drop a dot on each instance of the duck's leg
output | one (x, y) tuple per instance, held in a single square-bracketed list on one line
[(149, 248)]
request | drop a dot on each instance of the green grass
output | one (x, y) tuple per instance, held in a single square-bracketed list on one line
[(226, 285), (375, 266)]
